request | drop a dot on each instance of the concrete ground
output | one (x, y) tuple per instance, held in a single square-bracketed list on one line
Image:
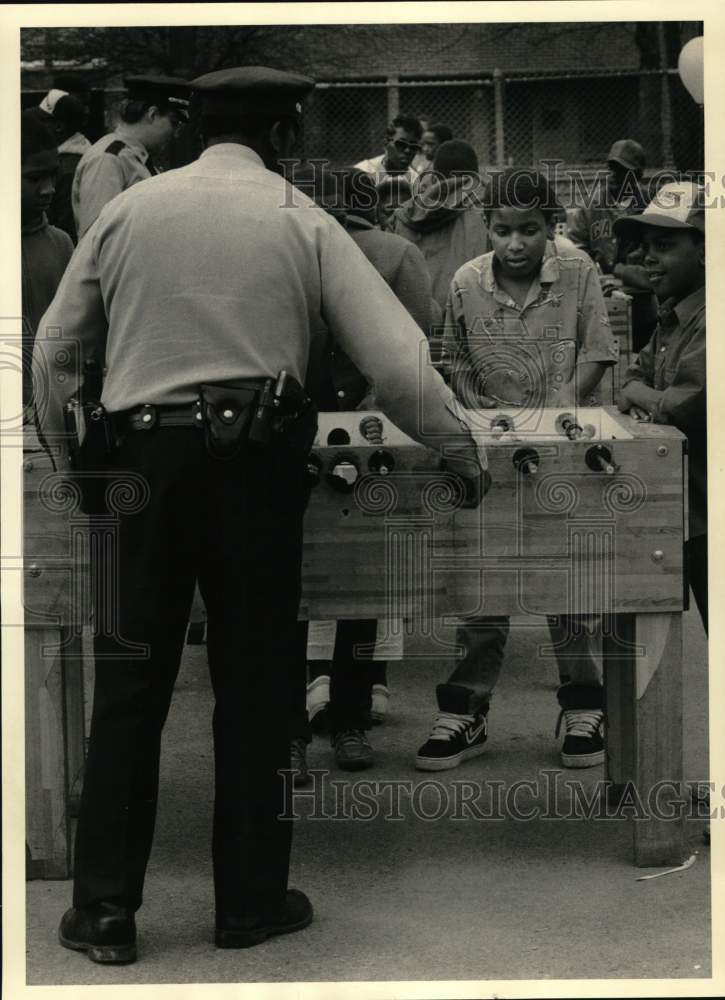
[(416, 898)]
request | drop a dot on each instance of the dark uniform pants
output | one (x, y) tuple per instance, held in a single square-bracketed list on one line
[(236, 526)]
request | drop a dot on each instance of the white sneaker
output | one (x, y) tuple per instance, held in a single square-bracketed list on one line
[(318, 695)]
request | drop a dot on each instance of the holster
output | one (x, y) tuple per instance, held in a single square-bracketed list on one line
[(258, 413), (91, 442), (227, 410)]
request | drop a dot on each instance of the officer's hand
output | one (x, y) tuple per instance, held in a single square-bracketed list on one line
[(475, 480)]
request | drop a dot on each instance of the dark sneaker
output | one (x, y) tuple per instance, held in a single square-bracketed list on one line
[(298, 763), (583, 737), (292, 915), (105, 931), (352, 750), (453, 739)]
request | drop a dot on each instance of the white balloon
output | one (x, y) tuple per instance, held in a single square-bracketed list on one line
[(690, 68)]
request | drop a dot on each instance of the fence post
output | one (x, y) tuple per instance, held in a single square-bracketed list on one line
[(498, 116), (668, 160), (393, 97)]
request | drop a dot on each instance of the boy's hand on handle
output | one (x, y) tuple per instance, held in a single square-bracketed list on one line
[(638, 413)]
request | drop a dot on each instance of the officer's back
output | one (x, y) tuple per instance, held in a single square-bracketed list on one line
[(180, 311)]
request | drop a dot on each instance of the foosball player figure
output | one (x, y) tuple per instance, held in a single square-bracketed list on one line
[(526, 326)]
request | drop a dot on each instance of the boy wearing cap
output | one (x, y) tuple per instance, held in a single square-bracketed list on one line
[(66, 116), (154, 110), (592, 229), (526, 327), (667, 382)]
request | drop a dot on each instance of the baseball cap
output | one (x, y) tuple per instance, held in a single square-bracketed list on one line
[(627, 153), (680, 205)]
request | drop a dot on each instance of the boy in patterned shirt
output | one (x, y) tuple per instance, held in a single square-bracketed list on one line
[(526, 327)]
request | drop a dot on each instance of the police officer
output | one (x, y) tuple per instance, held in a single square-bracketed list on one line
[(230, 274), (155, 108)]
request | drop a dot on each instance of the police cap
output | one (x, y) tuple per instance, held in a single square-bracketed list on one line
[(171, 92), (251, 90)]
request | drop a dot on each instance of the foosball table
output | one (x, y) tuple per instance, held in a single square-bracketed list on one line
[(585, 515)]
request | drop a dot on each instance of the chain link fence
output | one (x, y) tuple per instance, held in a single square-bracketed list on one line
[(518, 119)]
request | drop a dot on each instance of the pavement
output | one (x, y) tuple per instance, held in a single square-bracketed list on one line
[(443, 892)]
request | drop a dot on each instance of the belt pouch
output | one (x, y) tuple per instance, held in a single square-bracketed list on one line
[(227, 411)]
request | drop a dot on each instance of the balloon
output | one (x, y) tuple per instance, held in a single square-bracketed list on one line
[(689, 66)]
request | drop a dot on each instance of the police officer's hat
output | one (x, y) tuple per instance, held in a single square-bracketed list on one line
[(628, 154), (251, 90), (167, 92)]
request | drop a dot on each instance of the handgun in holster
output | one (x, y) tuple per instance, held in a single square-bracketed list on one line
[(90, 439), (285, 409)]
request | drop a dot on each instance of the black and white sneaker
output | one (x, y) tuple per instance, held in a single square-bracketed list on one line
[(453, 739), (583, 737)]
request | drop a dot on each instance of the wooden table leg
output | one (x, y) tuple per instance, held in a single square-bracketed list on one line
[(643, 685), (658, 739), (46, 817)]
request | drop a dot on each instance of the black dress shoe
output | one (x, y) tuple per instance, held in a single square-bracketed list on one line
[(106, 931), (292, 915)]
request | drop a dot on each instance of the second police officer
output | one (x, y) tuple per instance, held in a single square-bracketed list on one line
[(155, 108)]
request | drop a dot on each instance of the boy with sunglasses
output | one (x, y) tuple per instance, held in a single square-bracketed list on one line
[(402, 144)]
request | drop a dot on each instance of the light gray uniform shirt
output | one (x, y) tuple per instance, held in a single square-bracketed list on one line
[(221, 270), (109, 166)]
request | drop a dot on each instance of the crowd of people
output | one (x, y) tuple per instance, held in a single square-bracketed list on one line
[(166, 295)]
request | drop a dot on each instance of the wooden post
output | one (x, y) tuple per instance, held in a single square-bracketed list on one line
[(498, 111), (393, 97), (668, 160)]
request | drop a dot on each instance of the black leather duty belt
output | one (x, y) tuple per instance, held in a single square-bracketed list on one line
[(149, 416)]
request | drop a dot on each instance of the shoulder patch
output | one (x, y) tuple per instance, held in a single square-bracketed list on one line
[(115, 147)]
